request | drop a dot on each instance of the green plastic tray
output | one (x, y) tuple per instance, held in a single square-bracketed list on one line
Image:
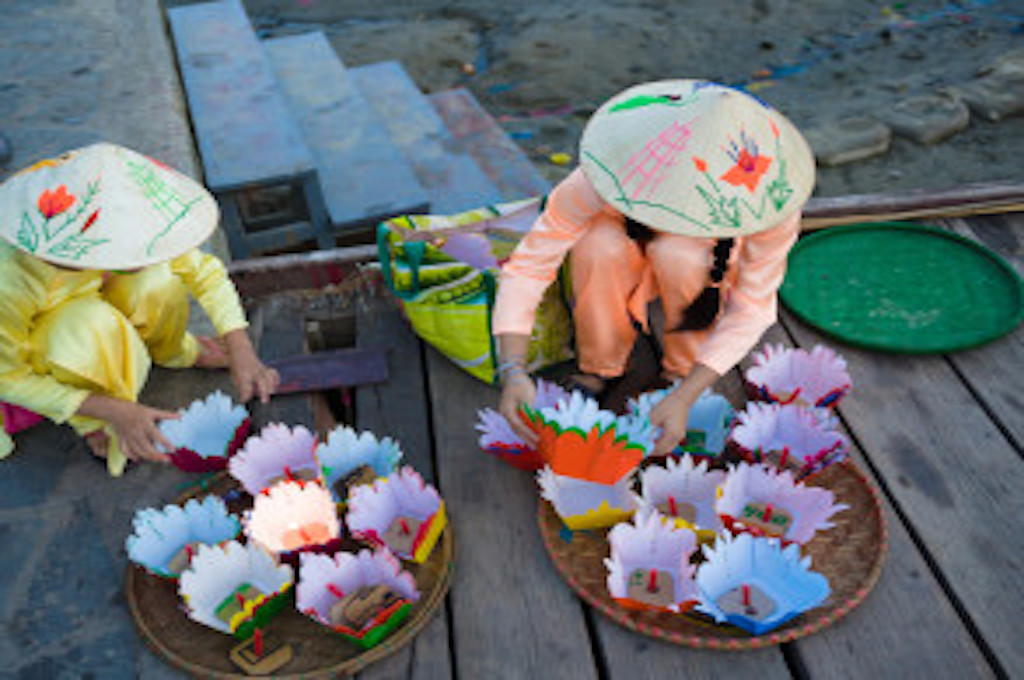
[(902, 287)]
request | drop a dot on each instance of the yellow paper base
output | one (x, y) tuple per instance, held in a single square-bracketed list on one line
[(603, 516)]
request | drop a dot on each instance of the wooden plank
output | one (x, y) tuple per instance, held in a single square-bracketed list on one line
[(512, 616), (953, 475), (330, 369), (877, 639), (987, 369), (504, 162), (363, 175), (245, 132), (446, 170), (278, 330), (262, 276), (957, 201), (398, 408)]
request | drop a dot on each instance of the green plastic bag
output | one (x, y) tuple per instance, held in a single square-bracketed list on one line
[(444, 269)]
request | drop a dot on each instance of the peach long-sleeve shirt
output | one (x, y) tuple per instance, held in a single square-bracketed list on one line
[(750, 291)]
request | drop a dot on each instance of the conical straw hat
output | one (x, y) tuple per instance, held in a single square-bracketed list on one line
[(105, 207), (696, 158)]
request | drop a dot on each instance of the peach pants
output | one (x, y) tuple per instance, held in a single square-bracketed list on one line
[(613, 282)]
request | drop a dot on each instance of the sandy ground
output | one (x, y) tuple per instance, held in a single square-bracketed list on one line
[(541, 67)]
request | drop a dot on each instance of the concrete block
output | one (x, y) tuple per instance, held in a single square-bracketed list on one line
[(929, 118), (848, 140)]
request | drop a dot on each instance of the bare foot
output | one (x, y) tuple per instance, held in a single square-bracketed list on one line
[(213, 353), (98, 443)]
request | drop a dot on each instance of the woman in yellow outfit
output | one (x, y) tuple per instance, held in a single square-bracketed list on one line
[(98, 258)]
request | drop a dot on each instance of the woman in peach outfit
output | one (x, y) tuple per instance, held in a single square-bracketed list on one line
[(97, 259), (688, 191)]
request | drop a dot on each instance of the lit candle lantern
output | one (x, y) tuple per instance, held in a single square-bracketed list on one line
[(294, 516)]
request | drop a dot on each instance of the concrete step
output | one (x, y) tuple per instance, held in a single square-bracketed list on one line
[(363, 176), (500, 158), (452, 178)]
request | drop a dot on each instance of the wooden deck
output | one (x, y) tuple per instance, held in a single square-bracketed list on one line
[(939, 435)]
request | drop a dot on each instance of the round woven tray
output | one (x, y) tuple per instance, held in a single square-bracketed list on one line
[(317, 652), (850, 555)]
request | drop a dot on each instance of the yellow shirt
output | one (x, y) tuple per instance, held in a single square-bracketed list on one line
[(30, 287)]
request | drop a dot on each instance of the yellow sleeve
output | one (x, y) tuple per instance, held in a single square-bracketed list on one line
[(207, 281), (21, 297)]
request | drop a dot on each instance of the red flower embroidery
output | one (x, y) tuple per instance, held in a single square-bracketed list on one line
[(701, 165), (89, 222), (55, 202), (749, 166)]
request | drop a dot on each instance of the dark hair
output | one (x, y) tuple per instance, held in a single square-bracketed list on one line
[(704, 309)]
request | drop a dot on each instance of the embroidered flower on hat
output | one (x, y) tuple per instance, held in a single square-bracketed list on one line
[(53, 203), (749, 166)]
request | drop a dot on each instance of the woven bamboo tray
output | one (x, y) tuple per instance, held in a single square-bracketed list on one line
[(318, 652), (850, 555)]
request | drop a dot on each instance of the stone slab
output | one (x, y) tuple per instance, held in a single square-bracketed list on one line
[(930, 118), (363, 176), (848, 140)]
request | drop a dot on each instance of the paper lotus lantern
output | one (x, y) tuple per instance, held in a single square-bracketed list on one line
[(578, 439), (783, 375), (278, 452), (707, 423), (294, 516), (649, 567), (348, 458), (583, 504), (164, 541), (401, 512), (233, 588), (770, 502), (789, 437), (364, 597), (497, 437), (208, 432), (756, 584), (685, 492)]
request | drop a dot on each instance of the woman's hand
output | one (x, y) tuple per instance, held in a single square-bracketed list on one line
[(671, 415), (518, 391), (250, 376), (135, 425)]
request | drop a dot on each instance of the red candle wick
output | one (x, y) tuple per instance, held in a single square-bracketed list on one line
[(746, 595), (288, 473), (784, 457), (304, 535), (257, 645), (405, 526), (672, 506), (652, 581), (767, 517), (240, 599), (188, 552), (335, 590)]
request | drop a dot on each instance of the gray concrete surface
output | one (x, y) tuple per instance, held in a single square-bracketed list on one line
[(73, 72)]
